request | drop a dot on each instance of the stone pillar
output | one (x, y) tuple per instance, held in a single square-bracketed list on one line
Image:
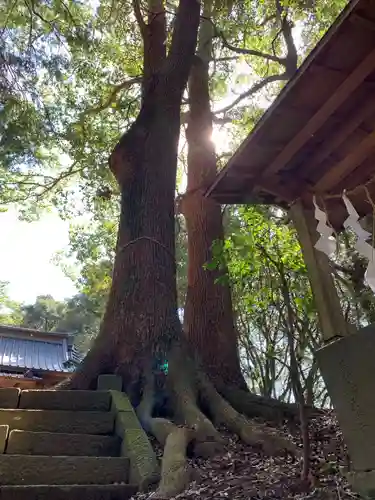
[(346, 361), (348, 366)]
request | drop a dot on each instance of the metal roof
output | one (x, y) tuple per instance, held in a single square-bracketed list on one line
[(32, 332), (36, 350), (21, 353)]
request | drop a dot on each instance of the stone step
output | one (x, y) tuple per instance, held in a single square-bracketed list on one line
[(24, 470), (48, 443), (72, 492), (71, 422), (9, 397), (65, 400)]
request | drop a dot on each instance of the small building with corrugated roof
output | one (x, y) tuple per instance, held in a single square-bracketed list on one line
[(33, 358)]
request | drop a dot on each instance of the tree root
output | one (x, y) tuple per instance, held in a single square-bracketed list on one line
[(175, 471), (271, 410), (182, 385), (187, 385), (251, 433), (188, 428)]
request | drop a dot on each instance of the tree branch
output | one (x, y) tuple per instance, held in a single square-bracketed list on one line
[(112, 96), (50, 23), (68, 12), (224, 59), (291, 60), (252, 90), (139, 18), (287, 33), (64, 175), (183, 44), (249, 52)]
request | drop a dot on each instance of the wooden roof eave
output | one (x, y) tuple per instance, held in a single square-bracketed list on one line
[(283, 94)]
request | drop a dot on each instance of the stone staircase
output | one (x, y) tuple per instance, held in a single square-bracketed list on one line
[(62, 445)]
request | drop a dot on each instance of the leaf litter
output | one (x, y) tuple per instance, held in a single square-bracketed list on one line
[(241, 472)]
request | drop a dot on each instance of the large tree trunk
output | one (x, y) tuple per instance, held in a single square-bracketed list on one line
[(141, 318), (141, 324), (208, 315)]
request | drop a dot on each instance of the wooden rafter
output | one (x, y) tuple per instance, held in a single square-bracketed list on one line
[(338, 137), (277, 189), (363, 21), (343, 168), (321, 116), (307, 143)]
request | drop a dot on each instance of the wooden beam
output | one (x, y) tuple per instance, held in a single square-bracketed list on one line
[(275, 189), (343, 168), (331, 319), (329, 107), (322, 45), (338, 137), (235, 198), (363, 21)]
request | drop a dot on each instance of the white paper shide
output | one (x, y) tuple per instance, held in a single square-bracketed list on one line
[(327, 245)]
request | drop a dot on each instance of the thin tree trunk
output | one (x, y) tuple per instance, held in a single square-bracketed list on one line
[(296, 381), (208, 315)]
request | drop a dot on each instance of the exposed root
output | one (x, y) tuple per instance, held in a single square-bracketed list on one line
[(182, 385), (188, 389), (175, 471), (250, 432), (272, 410), (186, 385), (208, 449)]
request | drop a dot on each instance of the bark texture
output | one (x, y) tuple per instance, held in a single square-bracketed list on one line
[(141, 325), (141, 315), (208, 316)]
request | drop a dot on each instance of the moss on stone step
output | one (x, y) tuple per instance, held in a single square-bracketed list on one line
[(47, 443), (71, 422), (144, 466), (121, 404)]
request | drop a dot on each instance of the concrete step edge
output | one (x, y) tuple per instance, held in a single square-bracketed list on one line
[(69, 492), (70, 422), (44, 399), (62, 444), (26, 470)]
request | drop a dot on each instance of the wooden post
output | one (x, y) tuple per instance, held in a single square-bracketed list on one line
[(332, 321)]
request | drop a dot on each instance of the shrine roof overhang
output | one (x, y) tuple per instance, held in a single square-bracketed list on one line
[(318, 137)]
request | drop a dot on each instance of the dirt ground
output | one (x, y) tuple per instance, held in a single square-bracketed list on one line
[(240, 472)]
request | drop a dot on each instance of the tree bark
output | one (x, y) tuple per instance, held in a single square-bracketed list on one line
[(208, 315), (141, 316), (141, 323)]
